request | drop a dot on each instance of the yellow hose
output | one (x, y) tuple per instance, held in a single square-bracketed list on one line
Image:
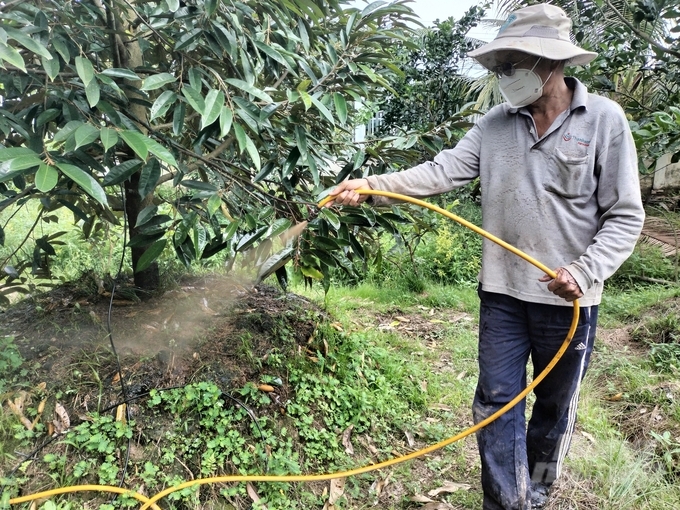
[(151, 502), (83, 488)]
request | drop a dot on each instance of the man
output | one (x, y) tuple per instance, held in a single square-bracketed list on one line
[(559, 180)]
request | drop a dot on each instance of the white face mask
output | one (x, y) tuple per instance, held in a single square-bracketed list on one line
[(522, 88)]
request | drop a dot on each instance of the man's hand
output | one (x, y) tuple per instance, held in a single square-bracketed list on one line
[(564, 285), (344, 194)]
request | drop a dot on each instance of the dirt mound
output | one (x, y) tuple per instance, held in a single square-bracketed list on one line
[(213, 328)]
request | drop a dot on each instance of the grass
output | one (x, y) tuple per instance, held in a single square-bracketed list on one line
[(399, 367)]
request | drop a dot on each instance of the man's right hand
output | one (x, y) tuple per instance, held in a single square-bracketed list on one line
[(344, 194)]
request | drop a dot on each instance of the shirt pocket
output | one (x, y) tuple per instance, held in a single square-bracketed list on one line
[(569, 176)]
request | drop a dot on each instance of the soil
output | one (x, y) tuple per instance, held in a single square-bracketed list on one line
[(204, 330), (200, 329)]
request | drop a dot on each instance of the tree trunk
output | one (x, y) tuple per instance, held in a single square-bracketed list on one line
[(131, 57)]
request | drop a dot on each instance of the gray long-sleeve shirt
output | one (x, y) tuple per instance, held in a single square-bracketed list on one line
[(570, 198)]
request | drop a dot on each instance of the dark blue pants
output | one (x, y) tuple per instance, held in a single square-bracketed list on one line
[(513, 454)]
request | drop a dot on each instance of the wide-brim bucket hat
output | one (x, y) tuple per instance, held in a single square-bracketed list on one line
[(543, 30)]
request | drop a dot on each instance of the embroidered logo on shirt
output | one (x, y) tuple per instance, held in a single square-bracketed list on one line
[(567, 137), (580, 347)]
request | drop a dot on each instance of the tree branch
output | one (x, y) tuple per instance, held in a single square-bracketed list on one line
[(641, 34)]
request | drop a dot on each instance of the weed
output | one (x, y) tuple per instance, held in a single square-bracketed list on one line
[(668, 450), (645, 262)]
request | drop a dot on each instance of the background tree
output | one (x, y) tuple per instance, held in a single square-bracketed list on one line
[(217, 120), (638, 65), (436, 81)]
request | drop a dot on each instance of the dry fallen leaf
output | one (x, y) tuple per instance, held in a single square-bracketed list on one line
[(250, 489), (437, 505), (615, 398), (379, 485), (440, 407), (419, 498), (121, 415), (449, 487), (266, 388), (589, 437), (367, 442), (336, 491), (347, 441), (61, 420), (402, 319), (17, 407), (337, 326), (409, 438), (41, 408)]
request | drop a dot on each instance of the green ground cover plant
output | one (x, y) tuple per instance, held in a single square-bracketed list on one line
[(360, 374)]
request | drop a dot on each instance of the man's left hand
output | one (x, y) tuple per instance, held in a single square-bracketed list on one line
[(564, 285)]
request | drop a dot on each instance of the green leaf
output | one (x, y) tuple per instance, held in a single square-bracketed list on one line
[(160, 152), (278, 227), (331, 217), (250, 89), (85, 181), (200, 240), (214, 101), (47, 116), (67, 130), (23, 163), (274, 263), (194, 98), (252, 151), (150, 255), (306, 99), (199, 185), (214, 203), (266, 170), (15, 152), (12, 56), (322, 108), (249, 239), (340, 107), (149, 177), (211, 7), (51, 67), (162, 104), (226, 118), (119, 72), (145, 215), (85, 70), (109, 137), (157, 81), (240, 137), (187, 38), (301, 140), (46, 178), (311, 272), (271, 52), (136, 141), (85, 135), (178, 118), (62, 48), (27, 42), (121, 172)]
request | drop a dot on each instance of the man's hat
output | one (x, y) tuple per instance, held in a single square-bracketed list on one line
[(542, 30)]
